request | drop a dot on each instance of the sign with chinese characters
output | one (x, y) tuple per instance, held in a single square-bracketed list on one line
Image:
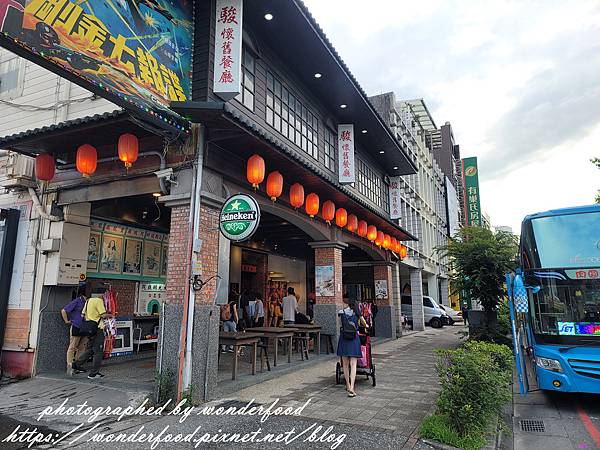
[(346, 153), (395, 205), (227, 82), (239, 218), (471, 190), (583, 274), (135, 53)]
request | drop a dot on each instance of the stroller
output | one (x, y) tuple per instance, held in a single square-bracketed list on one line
[(365, 364)]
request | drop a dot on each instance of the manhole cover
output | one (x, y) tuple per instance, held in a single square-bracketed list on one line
[(533, 426)]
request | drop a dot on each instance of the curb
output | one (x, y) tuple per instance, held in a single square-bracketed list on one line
[(438, 445)]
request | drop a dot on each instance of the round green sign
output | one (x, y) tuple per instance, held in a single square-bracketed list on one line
[(239, 218)]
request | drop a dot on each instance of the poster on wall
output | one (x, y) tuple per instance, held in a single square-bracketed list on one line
[(93, 251), (112, 251), (136, 53), (164, 260), (133, 257), (152, 259), (381, 289), (324, 282)]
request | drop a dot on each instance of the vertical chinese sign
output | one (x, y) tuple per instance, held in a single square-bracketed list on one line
[(227, 78), (471, 190), (395, 206), (346, 153)]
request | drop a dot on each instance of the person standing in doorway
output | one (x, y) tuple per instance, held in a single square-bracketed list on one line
[(290, 307), (71, 314), (94, 311)]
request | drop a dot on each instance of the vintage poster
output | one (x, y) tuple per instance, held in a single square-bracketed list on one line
[(112, 252), (133, 257), (93, 251), (324, 282), (151, 259), (136, 53), (381, 289)]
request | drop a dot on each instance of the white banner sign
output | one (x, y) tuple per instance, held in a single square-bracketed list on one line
[(395, 208), (346, 153), (228, 49)]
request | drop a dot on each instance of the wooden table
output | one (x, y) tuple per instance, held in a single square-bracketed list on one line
[(278, 333), (240, 340), (308, 328)]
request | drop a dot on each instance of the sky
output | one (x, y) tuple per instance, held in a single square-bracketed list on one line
[(519, 81)]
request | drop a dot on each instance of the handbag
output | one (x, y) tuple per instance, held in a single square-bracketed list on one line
[(348, 327), (88, 327)]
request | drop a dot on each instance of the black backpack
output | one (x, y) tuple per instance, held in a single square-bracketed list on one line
[(348, 327)]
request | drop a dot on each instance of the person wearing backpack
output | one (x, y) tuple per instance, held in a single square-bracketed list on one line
[(349, 342), (229, 316)]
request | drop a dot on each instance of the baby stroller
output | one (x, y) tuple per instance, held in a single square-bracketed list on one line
[(364, 365)]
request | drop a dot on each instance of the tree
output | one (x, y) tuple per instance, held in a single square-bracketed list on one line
[(480, 259), (597, 162)]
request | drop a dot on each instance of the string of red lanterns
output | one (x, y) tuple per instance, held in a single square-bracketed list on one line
[(328, 211), (341, 217), (274, 185)]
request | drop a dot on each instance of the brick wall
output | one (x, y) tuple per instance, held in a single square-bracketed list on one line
[(125, 289), (384, 272), (209, 254), (331, 256), (178, 257)]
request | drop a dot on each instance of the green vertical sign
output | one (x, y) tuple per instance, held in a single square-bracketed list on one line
[(472, 206)]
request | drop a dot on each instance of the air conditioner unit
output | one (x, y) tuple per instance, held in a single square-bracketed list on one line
[(18, 171)]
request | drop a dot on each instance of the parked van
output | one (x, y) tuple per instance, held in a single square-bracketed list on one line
[(434, 315)]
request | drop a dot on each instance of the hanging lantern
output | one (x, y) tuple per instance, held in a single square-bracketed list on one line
[(341, 217), (312, 204), (297, 195), (87, 159), (398, 247), (362, 228), (379, 239), (371, 233), (352, 223), (274, 185), (128, 147), (403, 252), (394, 245), (328, 211), (387, 241), (44, 167), (255, 170)]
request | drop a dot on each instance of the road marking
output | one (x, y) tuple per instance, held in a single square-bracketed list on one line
[(589, 425)]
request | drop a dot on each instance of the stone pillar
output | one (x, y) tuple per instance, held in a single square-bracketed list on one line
[(385, 325), (445, 300), (327, 306), (432, 287), (416, 292), (397, 298)]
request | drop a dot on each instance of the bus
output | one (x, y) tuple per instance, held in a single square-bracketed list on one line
[(560, 262)]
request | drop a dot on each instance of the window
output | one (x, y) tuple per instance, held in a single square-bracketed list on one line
[(12, 72), (290, 117), (427, 302), (369, 183), (246, 97), (328, 158)]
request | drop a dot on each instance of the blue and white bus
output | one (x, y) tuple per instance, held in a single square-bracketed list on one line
[(560, 260)]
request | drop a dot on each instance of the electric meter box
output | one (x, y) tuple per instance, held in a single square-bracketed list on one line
[(68, 265)]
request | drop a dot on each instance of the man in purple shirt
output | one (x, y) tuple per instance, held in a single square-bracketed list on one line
[(71, 314)]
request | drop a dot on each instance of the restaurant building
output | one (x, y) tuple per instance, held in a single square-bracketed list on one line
[(150, 232)]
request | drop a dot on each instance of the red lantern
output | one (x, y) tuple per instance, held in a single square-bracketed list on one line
[(44, 167), (403, 252), (128, 147), (362, 228), (255, 170), (387, 241), (371, 233), (352, 223), (87, 159), (328, 211), (394, 245), (296, 195), (312, 204), (379, 239), (274, 185), (341, 217)]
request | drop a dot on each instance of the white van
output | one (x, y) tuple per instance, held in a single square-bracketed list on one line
[(433, 314)]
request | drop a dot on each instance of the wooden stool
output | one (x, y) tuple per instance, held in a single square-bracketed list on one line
[(328, 342), (264, 353), (302, 341)]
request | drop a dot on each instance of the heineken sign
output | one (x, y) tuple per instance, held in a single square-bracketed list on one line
[(239, 218)]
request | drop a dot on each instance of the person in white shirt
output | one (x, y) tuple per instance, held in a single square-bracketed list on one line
[(290, 307), (259, 315)]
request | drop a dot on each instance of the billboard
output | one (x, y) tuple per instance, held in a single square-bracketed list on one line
[(471, 192), (452, 208), (135, 53)]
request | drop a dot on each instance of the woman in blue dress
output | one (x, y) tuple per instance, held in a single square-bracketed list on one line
[(349, 349)]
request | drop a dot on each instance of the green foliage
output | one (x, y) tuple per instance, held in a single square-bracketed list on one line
[(439, 428), (476, 382), (165, 385), (480, 258), (501, 333)]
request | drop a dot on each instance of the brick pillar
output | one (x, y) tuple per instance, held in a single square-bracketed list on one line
[(327, 307), (385, 324), (209, 252), (397, 299), (177, 254), (416, 292), (445, 292)]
